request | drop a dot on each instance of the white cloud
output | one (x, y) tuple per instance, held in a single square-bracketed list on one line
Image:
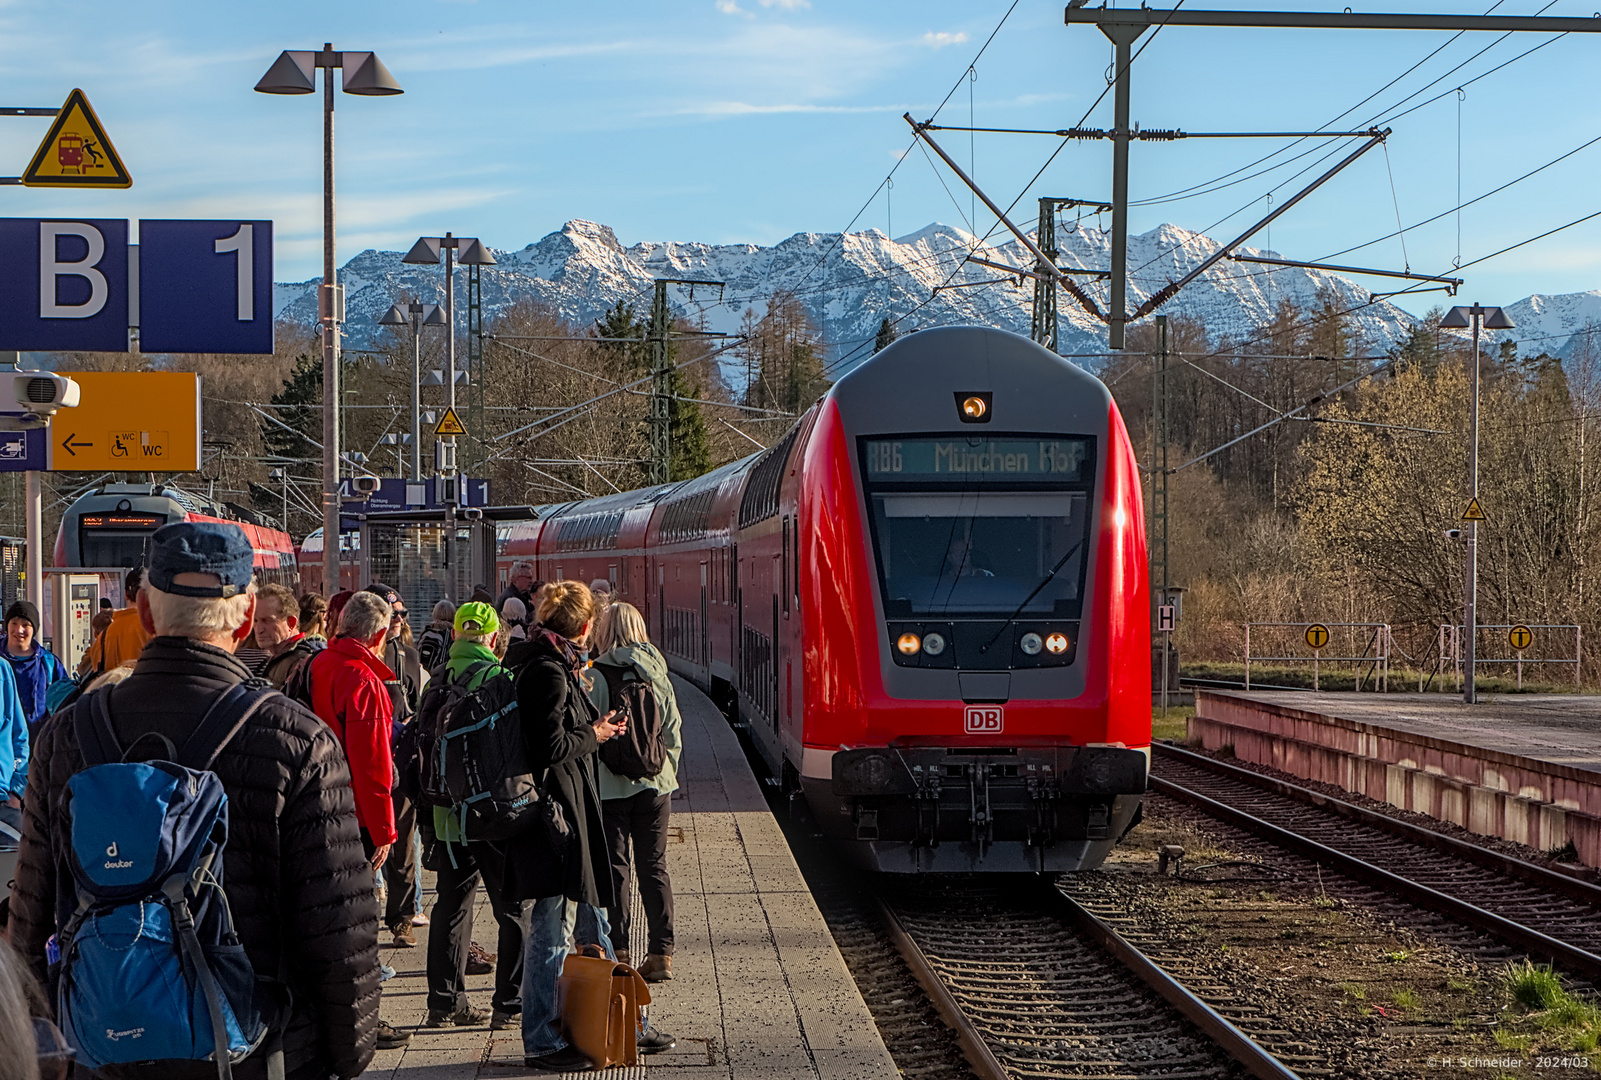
[(787, 5), (743, 108), (730, 7), (940, 39)]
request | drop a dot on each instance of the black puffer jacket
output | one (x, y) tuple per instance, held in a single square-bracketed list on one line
[(559, 735), (298, 882)]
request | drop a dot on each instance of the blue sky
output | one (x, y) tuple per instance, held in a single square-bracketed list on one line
[(750, 120)]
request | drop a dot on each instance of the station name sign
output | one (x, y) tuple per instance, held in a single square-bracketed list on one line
[(977, 459), (77, 285)]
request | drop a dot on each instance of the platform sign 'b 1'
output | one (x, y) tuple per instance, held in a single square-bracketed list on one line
[(985, 720), (1317, 635)]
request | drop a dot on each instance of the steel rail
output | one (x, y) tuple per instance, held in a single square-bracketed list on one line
[(1526, 938), (1568, 882), (1239, 1046), (974, 1048), (1236, 1043)]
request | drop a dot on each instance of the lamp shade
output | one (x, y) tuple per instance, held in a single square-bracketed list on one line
[(424, 252), (433, 315), (472, 253), (393, 317), (1497, 319), (1456, 319), (291, 73), (365, 74), (435, 377)]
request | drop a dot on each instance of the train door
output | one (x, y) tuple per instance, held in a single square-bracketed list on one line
[(773, 653), (737, 617), (705, 626), (661, 604)]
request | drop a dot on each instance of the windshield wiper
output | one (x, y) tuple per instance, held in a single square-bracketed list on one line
[(1010, 619)]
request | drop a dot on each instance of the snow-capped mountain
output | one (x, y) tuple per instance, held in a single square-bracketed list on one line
[(1554, 324), (850, 282)]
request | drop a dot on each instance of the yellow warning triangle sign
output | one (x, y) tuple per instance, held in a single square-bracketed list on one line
[(1474, 512), (449, 424), (76, 153)]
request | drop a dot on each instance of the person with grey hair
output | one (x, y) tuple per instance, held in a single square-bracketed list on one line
[(521, 586), (294, 858), (348, 694), (434, 642), (600, 588)]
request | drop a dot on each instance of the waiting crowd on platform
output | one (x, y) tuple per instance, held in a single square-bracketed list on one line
[(235, 795)]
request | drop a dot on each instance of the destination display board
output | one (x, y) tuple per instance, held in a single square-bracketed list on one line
[(1005, 459)]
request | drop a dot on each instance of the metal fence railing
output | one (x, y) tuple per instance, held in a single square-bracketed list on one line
[(1505, 638), (1367, 646)]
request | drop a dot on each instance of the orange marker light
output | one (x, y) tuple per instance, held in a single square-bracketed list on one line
[(1056, 643), (908, 644), (974, 408)]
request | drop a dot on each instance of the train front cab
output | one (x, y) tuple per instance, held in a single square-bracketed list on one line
[(940, 734)]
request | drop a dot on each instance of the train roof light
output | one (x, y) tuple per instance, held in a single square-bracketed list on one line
[(973, 407)]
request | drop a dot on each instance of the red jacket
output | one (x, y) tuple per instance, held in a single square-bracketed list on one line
[(347, 692)]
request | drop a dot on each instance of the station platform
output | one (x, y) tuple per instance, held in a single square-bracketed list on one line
[(759, 988), (1523, 767)]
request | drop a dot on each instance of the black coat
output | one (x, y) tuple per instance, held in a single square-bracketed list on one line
[(298, 882), (559, 735)]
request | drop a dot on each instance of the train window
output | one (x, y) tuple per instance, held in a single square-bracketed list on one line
[(981, 553), (703, 575)]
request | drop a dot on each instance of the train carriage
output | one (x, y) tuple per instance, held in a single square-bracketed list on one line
[(927, 603)]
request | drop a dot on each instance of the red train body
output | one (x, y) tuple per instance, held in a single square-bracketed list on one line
[(927, 604), (109, 525)]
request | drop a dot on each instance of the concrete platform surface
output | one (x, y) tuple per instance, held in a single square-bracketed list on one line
[(759, 988), (1525, 768), (1562, 729)]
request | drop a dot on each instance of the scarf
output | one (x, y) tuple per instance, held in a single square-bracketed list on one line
[(565, 648)]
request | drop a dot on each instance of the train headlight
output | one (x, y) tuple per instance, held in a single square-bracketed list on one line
[(934, 644), (908, 644), (1032, 643), (974, 408), (1056, 643)]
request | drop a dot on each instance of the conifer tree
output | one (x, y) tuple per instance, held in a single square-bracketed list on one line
[(886, 334)]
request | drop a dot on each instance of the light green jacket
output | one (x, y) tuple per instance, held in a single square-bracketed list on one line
[(647, 664), (463, 655)]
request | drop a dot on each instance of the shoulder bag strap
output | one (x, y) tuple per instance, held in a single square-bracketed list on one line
[(97, 739), (222, 722)]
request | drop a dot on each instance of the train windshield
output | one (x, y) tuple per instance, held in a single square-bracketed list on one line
[(115, 538), (965, 527)]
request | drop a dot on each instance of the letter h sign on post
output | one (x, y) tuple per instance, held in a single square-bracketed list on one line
[(64, 285)]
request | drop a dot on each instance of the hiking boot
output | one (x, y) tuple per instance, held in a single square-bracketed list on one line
[(405, 938), (569, 1059), (389, 1038), (466, 1016), (656, 968), (654, 1042), (479, 961), (500, 1021)]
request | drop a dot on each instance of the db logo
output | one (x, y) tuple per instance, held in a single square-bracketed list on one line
[(984, 719)]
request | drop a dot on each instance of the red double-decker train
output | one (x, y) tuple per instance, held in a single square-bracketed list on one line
[(926, 603)]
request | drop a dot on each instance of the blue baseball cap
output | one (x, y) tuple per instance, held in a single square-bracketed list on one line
[(200, 547)]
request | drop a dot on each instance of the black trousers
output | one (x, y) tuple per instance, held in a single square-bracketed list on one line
[(450, 928), (640, 822), (400, 869)]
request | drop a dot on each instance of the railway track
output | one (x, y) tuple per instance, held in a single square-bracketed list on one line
[(1538, 911), (1034, 985)]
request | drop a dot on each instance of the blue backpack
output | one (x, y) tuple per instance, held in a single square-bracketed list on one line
[(151, 969)]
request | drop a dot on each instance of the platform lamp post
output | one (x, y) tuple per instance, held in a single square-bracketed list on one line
[(418, 316), (467, 251), (283, 475), (364, 74), (1477, 318)]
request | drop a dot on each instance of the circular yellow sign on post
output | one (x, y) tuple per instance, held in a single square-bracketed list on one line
[(1520, 637), (1317, 635)]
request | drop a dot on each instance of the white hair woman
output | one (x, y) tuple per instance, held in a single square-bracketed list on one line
[(631, 671)]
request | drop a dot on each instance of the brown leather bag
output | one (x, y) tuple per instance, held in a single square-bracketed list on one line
[(600, 1002)]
